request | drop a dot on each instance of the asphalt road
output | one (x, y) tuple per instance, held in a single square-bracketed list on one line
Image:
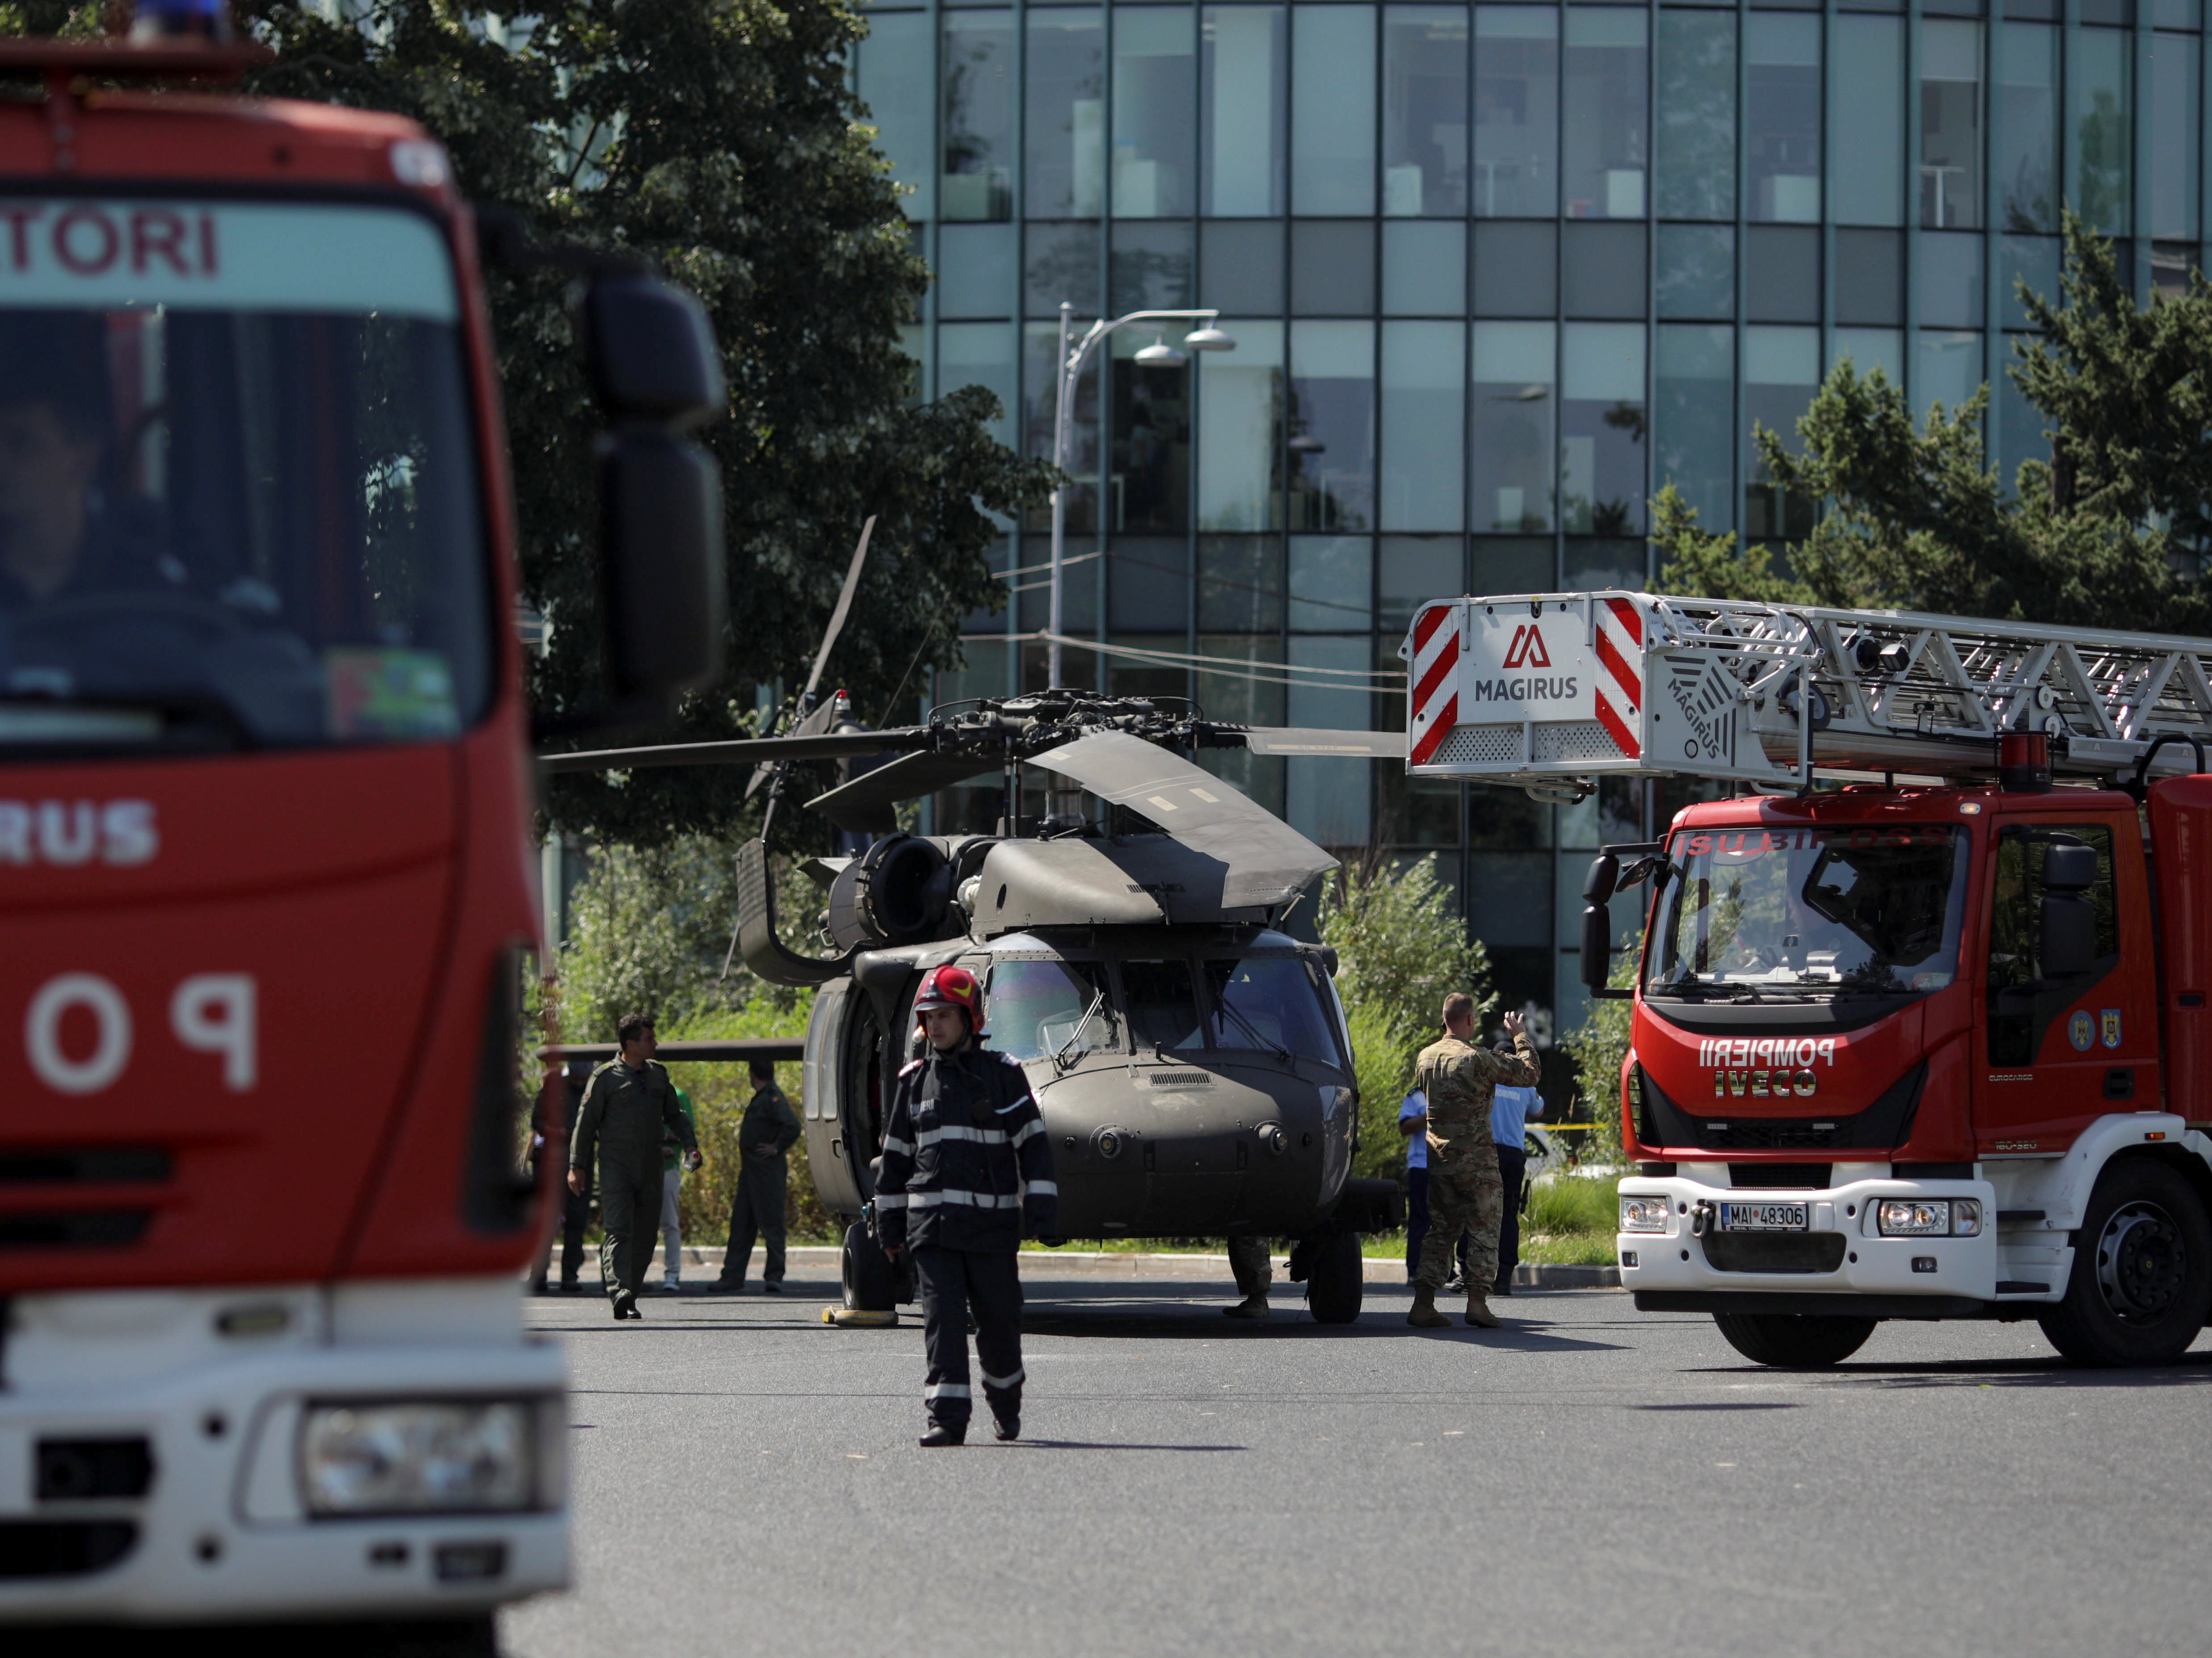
[(1587, 1480)]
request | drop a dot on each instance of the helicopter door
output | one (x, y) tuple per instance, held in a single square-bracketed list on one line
[(840, 1032)]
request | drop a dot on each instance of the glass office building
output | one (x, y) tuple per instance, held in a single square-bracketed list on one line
[(1495, 274)]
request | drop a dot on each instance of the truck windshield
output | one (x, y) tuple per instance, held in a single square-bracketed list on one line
[(239, 494), (1810, 911), (1269, 1003)]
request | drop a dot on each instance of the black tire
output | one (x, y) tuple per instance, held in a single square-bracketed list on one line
[(1790, 1341), (1337, 1279), (475, 1636), (871, 1284), (2141, 1283)]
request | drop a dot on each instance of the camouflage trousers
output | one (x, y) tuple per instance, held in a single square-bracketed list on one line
[(1465, 1194)]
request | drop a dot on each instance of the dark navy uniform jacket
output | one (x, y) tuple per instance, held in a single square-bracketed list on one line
[(966, 1162)]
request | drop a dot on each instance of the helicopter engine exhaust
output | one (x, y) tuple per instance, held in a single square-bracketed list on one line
[(897, 893)]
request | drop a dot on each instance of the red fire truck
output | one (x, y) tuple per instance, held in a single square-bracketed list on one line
[(266, 886), (1919, 1025)]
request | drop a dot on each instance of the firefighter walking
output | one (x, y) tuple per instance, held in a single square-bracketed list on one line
[(1465, 1192), (966, 1168)]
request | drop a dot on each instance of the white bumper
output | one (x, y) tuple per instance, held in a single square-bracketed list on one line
[(215, 1382), (1941, 1270)]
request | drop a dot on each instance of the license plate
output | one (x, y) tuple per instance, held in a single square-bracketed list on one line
[(1763, 1217)]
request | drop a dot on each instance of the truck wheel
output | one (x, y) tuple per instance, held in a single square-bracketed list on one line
[(2142, 1283), (1336, 1280), (871, 1285), (1791, 1341)]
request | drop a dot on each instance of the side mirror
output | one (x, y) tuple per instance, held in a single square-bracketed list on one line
[(1604, 875), (2070, 868), (650, 352), (661, 564), (2067, 945), (1597, 950)]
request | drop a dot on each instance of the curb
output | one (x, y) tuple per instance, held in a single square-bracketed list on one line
[(811, 1260)]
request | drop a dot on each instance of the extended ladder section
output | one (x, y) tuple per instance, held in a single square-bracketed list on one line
[(1553, 690)]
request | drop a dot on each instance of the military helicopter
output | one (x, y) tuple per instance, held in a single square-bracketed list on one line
[(1190, 1058)]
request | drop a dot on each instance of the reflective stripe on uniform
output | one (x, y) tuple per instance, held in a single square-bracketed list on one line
[(1017, 1106), (947, 1390), (1027, 1131), (1014, 1380), (892, 1143), (965, 1199), (1047, 1188), (989, 1137), (890, 1200)]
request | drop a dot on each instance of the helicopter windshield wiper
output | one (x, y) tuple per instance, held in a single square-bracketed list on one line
[(1249, 1029), (1060, 1056)]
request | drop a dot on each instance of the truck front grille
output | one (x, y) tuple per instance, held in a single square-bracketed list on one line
[(89, 1228), (1774, 1251), (63, 1548)]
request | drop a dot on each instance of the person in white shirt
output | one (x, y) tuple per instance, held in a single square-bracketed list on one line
[(1414, 1124)]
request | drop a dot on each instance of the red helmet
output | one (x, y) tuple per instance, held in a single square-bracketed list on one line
[(952, 987)]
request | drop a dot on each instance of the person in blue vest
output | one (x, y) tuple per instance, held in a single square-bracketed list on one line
[(1510, 1109), (966, 1168)]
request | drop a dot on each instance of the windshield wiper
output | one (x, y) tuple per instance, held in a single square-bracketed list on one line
[(1060, 1059), (43, 720), (1246, 1025)]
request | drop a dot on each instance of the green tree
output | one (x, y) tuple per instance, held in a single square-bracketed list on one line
[(1400, 946), (1916, 518), (720, 139)]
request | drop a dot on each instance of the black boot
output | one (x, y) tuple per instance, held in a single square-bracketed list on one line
[(1006, 1425), (939, 1434)]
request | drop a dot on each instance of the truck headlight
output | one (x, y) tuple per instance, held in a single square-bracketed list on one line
[(1642, 1212), (455, 1456), (1913, 1217), (1966, 1217)]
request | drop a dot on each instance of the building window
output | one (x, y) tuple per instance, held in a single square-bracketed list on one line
[(1424, 426), (1511, 447), (1155, 92), (1781, 372), (1149, 486), (1331, 584), (2098, 185), (1782, 168), (980, 354), (1240, 583), (1516, 111), (1516, 269), (1601, 426), (1424, 110), (978, 169), (1694, 141), (1696, 275), (1241, 431), (1242, 111), (1866, 119), (1607, 107), (2027, 159), (1040, 403), (1149, 268), (1693, 417), (1950, 124), (1333, 109), (1330, 435), (975, 271), (1950, 371), (1065, 116), (2171, 148), (1868, 349), (898, 84), (1425, 270), (1059, 262)]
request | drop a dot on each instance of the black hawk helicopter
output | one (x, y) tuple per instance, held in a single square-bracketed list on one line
[(1190, 1059)]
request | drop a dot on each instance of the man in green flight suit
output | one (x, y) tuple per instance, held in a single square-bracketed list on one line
[(767, 1130), (628, 1106), (1465, 1192)]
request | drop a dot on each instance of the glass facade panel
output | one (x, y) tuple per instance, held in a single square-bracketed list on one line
[(1514, 564), (897, 81), (1608, 96), (1332, 267), (1781, 273), (1871, 348), (1424, 60), (1424, 426), (2171, 146), (1241, 266), (1148, 489), (1330, 472), (1949, 368), (980, 354), (1512, 446), (1059, 262), (1695, 273), (1148, 586), (1949, 280), (1333, 109), (1602, 269), (1693, 142), (977, 166), (2027, 149), (1781, 372), (975, 271), (1064, 115), (2030, 259), (1866, 119), (1782, 117), (1154, 96), (1240, 583), (1601, 426), (1870, 277), (1413, 570), (1332, 583), (1240, 451), (1328, 799), (1425, 270), (1040, 395), (1693, 418), (1150, 269), (1242, 110), (1950, 124), (2098, 129), (1517, 270), (1516, 111)]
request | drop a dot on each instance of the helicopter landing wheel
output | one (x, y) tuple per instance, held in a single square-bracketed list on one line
[(1336, 1279), (871, 1282)]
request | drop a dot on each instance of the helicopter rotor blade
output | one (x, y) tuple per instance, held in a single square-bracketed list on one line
[(867, 804), (1310, 740), (741, 751), (1268, 862), (837, 616)]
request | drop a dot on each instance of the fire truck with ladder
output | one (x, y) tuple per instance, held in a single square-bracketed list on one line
[(1919, 1026), (266, 888)]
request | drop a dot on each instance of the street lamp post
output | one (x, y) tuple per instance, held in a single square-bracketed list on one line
[(1206, 337)]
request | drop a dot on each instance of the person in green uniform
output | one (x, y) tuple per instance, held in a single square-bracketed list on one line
[(765, 1133), (671, 1201), (628, 1105)]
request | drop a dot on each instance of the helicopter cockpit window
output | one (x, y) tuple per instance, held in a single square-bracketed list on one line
[(1041, 1009), (1163, 1005), (1269, 1003)]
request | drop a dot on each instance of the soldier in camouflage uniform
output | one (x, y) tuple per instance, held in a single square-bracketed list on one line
[(1465, 1193)]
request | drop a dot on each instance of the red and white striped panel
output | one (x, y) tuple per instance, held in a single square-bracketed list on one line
[(1619, 645), (1433, 709)]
